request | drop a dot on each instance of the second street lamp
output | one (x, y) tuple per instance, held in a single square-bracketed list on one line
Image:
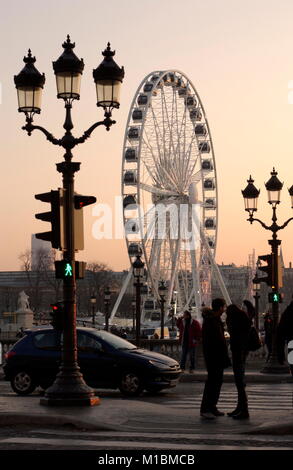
[(162, 292), (138, 272), (93, 302), (250, 195), (69, 387)]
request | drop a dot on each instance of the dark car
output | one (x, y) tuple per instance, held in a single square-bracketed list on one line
[(106, 361)]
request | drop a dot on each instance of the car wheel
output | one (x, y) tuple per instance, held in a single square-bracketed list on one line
[(23, 383), (130, 384)]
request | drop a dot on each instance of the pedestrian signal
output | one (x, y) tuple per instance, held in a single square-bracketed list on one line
[(275, 298)]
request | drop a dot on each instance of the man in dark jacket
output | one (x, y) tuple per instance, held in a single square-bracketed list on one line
[(189, 336), (216, 357), (285, 334)]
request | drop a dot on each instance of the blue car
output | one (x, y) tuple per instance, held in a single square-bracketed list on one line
[(105, 360)]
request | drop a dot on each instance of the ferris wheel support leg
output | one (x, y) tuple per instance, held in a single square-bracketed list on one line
[(121, 294), (217, 272), (174, 272)]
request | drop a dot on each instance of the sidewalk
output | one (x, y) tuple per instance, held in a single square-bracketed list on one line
[(139, 415), (134, 415)]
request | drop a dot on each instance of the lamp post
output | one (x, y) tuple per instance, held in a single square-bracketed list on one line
[(250, 195), (172, 313), (133, 304), (162, 292), (69, 387), (107, 298), (138, 272), (93, 302)]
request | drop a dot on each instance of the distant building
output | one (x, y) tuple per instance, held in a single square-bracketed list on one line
[(237, 280), (36, 246)]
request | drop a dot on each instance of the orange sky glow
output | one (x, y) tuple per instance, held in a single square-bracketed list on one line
[(237, 54)]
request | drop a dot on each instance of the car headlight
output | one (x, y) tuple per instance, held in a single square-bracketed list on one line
[(159, 365)]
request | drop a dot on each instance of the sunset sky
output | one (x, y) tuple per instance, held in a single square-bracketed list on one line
[(239, 56)]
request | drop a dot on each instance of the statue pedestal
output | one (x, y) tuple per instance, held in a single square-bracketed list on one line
[(24, 318)]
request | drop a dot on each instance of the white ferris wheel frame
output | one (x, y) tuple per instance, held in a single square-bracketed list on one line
[(139, 185)]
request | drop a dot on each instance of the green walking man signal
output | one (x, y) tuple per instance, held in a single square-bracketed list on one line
[(275, 298), (68, 270), (64, 269)]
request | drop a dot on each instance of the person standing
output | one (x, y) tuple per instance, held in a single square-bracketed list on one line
[(238, 324), (268, 327), (189, 336), (250, 309), (285, 333), (216, 357)]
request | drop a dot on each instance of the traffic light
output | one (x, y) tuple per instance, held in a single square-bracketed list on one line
[(55, 216), (64, 269), (275, 298), (82, 201), (58, 316), (269, 269), (79, 203)]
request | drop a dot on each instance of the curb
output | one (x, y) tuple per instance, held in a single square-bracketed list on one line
[(250, 377), (11, 418)]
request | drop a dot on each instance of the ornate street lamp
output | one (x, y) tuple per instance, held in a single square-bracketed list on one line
[(162, 289), (172, 304), (68, 70), (107, 299), (274, 187), (93, 301), (250, 195), (29, 84), (108, 77), (138, 272), (69, 387), (133, 305)]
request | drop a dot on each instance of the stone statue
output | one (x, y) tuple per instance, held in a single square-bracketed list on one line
[(22, 302)]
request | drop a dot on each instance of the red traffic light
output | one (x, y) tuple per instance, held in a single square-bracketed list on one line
[(82, 201)]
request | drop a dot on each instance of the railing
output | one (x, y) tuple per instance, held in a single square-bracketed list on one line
[(172, 348)]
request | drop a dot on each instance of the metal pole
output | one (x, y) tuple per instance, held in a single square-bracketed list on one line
[(107, 316), (138, 301), (273, 365), (162, 316), (93, 314), (69, 387)]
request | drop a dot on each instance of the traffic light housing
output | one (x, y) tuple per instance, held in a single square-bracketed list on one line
[(269, 269), (64, 269), (79, 203), (275, 298), (55, 217), (82, 201), (58, 316)]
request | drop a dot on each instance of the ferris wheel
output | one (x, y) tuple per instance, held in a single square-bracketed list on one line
[(169, 188)]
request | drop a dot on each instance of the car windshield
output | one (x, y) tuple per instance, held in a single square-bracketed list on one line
[(115, 341)]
